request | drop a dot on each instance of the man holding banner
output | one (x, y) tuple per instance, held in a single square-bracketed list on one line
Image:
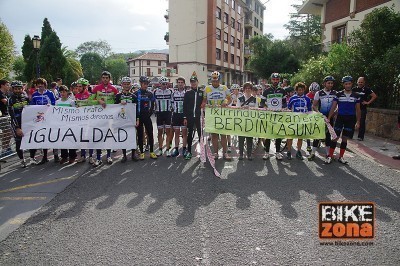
[(275, 100), (217, 95)]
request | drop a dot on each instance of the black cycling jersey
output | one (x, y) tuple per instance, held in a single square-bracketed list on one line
[(192, 102)]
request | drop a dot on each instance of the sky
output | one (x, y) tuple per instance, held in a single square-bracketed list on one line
[(127, 25)]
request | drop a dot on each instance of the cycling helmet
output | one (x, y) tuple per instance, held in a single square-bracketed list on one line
[(329, 78), (347, 79), (82, 81), (16, 83), (215, 75), (126, 79), (163, 80), (136, 85), (143, 79), (235, 87), (73, 84), (275, 75), (289, 89), (314, 87)]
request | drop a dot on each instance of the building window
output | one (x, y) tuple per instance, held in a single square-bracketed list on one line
[(176, 69), (233, 4), (226, 18), (340, 34), (218, 13), (239, 27), (159, 71), (256, 22), (225, 56), (148, 71), (238, 43), (255, 33), (261, 26), (227, 2), (232, 58), (238, 60), (232, 40), (233, 23), (218, 54), (226, 37), (159, 63), (134, 72), (218, 35), (148, 62), (239, 10), (257, 8), (134, 63)]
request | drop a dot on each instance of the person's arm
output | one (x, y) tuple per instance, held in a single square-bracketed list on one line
[(358, 115), (373, 98), (315, 102), (333, 108)]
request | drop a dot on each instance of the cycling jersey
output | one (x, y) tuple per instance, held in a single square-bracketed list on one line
[(274, 98), (43, 99), (216, 96), (67, 102), (347, 102), (106, 94), (299, 104), (325, 99), (16, 104), (163, 99), (177, 100), (145, 102), (192, 102), (127, 97)]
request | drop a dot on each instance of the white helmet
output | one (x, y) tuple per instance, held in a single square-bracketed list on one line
[(163, 80), (126, 79), (235, 87)]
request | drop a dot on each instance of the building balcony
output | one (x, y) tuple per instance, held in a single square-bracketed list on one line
[(247, 37)]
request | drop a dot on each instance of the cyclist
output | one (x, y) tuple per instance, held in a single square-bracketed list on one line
[(298, 103), (16, 103), (314, 87), (192, 112), (104, 93), (235, 94), (66, 154), (246, 101), (145, 101), (217, 95), (178, 117), (323, 100), (274, 99), (163, 102), (348, 117), (124, 97), (42, 97)]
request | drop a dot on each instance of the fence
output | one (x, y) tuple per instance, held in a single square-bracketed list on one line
[(7, 142)]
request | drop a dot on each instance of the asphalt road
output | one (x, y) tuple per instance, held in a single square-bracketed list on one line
[(171, 211)]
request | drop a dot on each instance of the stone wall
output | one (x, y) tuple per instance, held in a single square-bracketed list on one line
[(383, 123)]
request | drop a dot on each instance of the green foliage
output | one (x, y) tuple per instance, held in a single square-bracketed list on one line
[(101, 47), (92, 65), (29, 56), (271, 56), (18, 68), (73, 68), (305, 35), (6, 51), (118, 69), (46, 30), (51, 58)]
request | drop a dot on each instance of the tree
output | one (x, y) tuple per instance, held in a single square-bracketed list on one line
[(51, 58), (101, 47), (18, 68), (46, 30), (30, 59), (73, 68), (305, 34), (92, 65), (6, 51), (271, 56)]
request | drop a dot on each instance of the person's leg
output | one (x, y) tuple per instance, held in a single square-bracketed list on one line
[(267, 144), (190, 133), (298, 153), (289, 143), (160, 135), (18, 148), (214, 141), (184, 138), (361, 130), (72, 155), (249, 144), (241, 147), (149, 130)]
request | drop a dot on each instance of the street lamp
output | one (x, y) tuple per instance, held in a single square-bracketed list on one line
[(36, 47)]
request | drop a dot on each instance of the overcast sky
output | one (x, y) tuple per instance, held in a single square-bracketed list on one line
[(127, 25)]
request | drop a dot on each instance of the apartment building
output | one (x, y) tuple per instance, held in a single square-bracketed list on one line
[(152, 65), (340, 17), (206, 36)]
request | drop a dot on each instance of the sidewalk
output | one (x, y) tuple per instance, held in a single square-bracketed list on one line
[(378, 149)]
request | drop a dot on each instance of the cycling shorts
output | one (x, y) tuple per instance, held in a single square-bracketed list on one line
[(345, 124), (164, 119)]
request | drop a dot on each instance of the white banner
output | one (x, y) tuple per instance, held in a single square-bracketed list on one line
[(88, 127)]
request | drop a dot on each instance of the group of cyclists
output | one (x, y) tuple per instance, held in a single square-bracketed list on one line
[(178, 113)]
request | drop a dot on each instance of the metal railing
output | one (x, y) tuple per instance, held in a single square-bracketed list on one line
[(7, 141)]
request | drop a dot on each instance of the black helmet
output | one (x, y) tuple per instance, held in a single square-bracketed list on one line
[(347, 79), (16, 83), (143, 79), (329, 78), (289, 89), (275, 75)]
